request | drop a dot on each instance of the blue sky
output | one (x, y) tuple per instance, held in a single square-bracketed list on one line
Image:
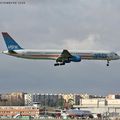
[(61, 24)]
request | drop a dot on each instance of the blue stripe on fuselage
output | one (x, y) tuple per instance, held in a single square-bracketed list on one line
[(100, 56)]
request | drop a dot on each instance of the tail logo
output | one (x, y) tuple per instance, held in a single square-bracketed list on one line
[(12, 47)]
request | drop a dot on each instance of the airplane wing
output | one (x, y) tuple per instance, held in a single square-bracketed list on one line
[(64, 57), (66, 54), (67, 57)]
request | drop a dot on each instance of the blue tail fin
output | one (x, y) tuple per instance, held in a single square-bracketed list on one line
[(10, 42)]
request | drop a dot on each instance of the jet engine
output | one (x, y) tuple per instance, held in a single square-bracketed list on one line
[(75, 58)]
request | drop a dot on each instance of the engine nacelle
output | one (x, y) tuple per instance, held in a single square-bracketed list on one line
[(75, 58)]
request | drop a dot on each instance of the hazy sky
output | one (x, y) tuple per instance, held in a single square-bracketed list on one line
[(61, 24)]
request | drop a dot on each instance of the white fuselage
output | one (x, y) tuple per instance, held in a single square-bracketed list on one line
[(54, 54)]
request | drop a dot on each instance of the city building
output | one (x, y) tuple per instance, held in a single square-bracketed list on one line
[(51, 100), (59, 101), (113, 96), (28, 99), (12, 99), (12, 111), (95, 102)]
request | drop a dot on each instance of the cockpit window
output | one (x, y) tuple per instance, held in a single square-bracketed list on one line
[(115, 54)]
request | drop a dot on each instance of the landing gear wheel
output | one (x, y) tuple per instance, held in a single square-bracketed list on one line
[(56, 64), (108, 63)]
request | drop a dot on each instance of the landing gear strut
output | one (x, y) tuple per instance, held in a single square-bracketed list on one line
[(63, 63), (108, 62)]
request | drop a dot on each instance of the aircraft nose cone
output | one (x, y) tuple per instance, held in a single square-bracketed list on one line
[(118, 57)]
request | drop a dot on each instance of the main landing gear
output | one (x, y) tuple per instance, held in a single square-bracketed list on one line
[(108, 62), (57, 64)]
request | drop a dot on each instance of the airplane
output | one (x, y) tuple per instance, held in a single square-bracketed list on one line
[(60, 56)]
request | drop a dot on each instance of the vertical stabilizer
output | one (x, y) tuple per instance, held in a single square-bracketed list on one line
[(10, 42)]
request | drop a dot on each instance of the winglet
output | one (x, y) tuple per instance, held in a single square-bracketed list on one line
[(10, 42)]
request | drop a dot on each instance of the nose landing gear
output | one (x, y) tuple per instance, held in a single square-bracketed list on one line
[(108, 62)]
